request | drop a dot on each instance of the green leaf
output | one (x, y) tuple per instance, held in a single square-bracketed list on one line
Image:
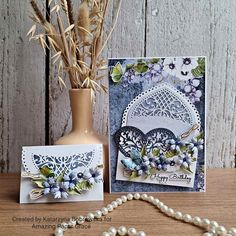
[(116, 78), (153, 171), (39, 183), (194, 159), (183, 148), (155, 152), (200, 136), (46, 171), (84, 185), (117, 72), (143, 151), (133, 175), (171, 153), (129, 66), (187, 169), (141, 68), (60, 178), (199, 71), (154, 60), (72, 192)]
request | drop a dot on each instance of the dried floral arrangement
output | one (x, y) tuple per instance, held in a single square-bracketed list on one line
[(77, 39)]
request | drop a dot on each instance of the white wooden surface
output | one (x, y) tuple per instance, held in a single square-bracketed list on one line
[(145, 28), (22, 86)]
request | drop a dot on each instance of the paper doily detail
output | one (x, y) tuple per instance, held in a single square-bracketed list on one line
[(59, 165), (162, 106)]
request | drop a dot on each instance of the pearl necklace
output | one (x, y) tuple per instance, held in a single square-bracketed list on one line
[(212, 227)]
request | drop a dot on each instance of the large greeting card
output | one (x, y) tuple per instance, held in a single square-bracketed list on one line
[(157, 124), (62, 173)]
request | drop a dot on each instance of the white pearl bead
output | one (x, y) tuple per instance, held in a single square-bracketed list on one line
[(104, 211), (112, 231), (221, 231), (214, 224), (187, 218), (178, 215), (109, 207), (122, 230), (98, 214), (114, 204), (90, 216), (208, 234), (164, 208), (197, 221), (124, 198), (144, 196), (119, 201), (130, 196), (141, 233), (150, 199), (155, 201), (160, 204), (58, 232), (232, 231), (137, 196), (170, 212), (206, 223), (132, 232), (105, 234)]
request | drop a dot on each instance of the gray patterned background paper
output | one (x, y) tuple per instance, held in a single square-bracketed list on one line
[(120, 95)]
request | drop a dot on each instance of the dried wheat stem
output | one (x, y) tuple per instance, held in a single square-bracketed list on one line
[(38, 12), (83, 21), (70, 12), (112, 29), (66, 50)]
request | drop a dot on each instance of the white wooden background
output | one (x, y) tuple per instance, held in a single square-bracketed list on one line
[(33, 111)]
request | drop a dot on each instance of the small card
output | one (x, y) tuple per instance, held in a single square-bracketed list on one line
[(157, 124), (62, 173)]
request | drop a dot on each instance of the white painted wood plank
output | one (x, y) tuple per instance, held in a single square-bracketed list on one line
[(203, 28), (22, 81)]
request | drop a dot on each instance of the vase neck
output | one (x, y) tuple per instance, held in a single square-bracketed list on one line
[(82, 108)]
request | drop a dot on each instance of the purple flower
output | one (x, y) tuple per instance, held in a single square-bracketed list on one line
[(129, 76), (152, 160), (143, 168), (184, 160), (196, 144), (92, 175), (162, 163), (70, 181), (191, 90), (175, 145), (49, 185), (60, 191)]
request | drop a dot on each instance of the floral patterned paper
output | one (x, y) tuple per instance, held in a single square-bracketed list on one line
[(128, 79)]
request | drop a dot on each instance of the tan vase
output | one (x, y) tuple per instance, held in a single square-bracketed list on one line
[(82, 126)]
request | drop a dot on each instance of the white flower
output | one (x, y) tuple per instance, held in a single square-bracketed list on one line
[(189, 63), (185, 71), (171, 66)]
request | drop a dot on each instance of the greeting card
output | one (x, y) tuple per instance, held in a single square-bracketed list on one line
[(157, 124), (61, 173)]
